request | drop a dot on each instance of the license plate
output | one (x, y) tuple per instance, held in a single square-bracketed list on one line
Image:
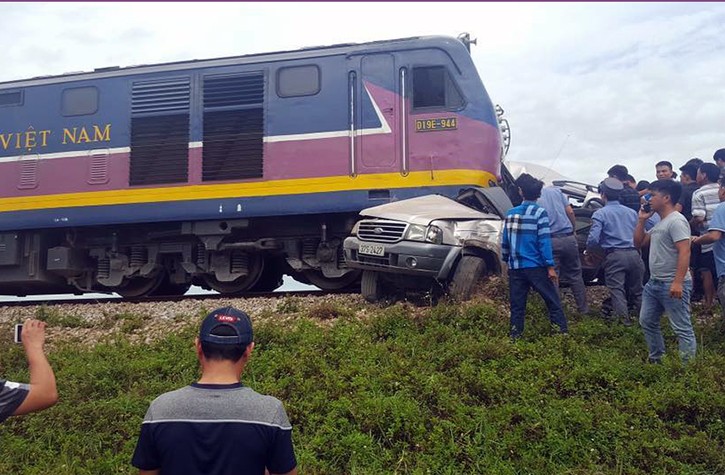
[(438, 123), (372, 249)]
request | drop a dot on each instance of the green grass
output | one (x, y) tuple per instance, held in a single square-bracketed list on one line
[(408, 390)]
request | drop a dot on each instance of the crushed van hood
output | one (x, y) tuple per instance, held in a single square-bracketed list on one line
[(425, 209)]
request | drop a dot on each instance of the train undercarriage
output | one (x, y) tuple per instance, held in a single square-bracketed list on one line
[(232, 257)]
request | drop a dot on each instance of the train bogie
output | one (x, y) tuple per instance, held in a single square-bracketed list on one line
[(229, 173)]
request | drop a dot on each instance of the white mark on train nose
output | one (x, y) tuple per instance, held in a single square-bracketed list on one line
[(239, 207)]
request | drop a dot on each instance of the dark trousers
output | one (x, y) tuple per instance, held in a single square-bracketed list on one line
[(623, 271), (520, 281), (569, 268)]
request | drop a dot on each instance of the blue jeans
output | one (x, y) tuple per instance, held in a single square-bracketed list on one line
[(656, 300), (520, 281)]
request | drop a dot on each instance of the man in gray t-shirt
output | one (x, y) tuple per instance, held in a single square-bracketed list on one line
[(670, 284)]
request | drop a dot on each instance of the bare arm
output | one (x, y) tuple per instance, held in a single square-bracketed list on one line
[(683, 263), (570, 215), (43, 392), (707, 238), (149, 472), (641, 238)]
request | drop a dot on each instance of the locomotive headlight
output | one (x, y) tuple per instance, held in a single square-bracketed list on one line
[(415, 232), (434, 235)]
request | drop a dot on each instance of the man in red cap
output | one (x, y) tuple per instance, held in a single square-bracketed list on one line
[(217, 425)]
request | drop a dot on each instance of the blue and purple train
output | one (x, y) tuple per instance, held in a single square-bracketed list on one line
[(230, 172)]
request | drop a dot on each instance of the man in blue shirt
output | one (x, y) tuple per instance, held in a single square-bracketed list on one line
[(613, 230), (526, 247), (563, 242), (714, 235)]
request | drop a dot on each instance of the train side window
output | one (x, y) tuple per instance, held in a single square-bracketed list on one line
[(79, 101), (11, 98), (434, 87), (298, 81)]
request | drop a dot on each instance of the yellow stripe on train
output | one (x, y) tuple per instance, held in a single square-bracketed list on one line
[(248, 190)]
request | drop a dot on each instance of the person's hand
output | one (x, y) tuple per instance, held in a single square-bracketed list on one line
[(553, 276), (33, 335), (676, 290), (692, 241), (644, 215)]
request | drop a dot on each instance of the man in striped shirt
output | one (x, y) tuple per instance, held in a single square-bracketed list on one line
[(704, 202), (526, 247)]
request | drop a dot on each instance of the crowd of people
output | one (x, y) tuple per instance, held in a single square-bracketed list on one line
[(655, 236), (662, 242)]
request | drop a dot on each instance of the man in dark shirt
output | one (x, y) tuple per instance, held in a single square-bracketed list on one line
[(217, 426), (688, 179), (719, 157), (628, 197)]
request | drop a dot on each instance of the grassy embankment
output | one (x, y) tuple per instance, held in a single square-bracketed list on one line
[(405, 390)]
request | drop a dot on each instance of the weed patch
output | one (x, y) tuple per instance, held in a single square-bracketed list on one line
[(405, 390)]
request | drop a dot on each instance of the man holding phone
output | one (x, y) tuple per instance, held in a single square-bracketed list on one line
[(19, 398)]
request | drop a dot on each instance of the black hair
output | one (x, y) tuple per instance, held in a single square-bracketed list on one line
[(219, 352), (667, 187), (719, 155), (694, 161), (689, 170), (664, 163), (530, 186), (711, 171), (642, 185), (631, 178), (619, 172)]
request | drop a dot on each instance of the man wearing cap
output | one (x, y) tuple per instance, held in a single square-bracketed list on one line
[(628, 197), (563, 243), (613, 230), (217, 425)]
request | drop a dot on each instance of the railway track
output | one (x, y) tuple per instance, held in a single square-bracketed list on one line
[(172, 298)]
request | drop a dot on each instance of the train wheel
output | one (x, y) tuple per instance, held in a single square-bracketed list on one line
[(169, 289), (242, 284), (272, 275), (140, 286), (351, 280)]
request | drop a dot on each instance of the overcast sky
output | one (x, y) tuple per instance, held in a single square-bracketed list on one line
[(584, 86)]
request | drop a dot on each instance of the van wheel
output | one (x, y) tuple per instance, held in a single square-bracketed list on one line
[(370, 287), (468, 271)]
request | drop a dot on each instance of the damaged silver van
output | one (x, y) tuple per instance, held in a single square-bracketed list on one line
[(430, 242)]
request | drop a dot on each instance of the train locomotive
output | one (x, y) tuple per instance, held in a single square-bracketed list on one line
[(229, 173)]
